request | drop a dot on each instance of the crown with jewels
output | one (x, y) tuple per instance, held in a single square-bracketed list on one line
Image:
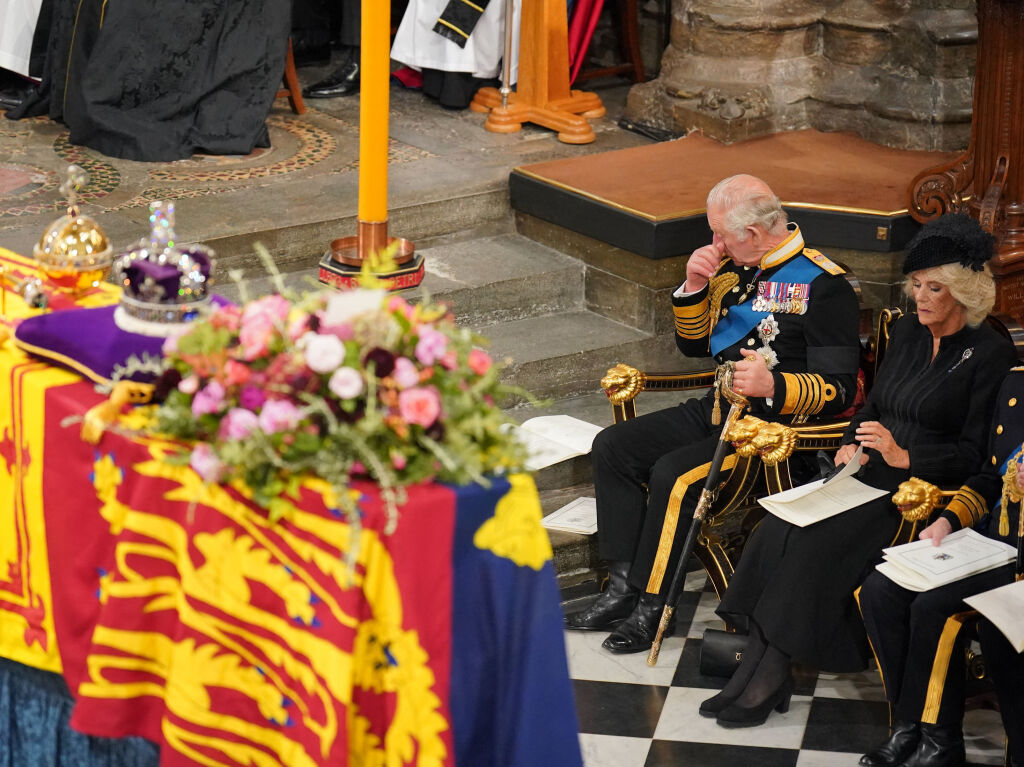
[(164, 284)]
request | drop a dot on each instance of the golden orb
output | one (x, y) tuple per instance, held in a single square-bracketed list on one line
[(74, 253)]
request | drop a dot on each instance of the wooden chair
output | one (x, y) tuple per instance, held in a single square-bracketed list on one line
[(291, 88)]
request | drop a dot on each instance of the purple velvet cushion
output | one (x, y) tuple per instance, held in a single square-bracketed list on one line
[(86, 341), (89, 342)]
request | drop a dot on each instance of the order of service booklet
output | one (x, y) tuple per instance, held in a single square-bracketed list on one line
[(823, 498), (579, 516), (921, 565), (553, 438), (1004, 606)]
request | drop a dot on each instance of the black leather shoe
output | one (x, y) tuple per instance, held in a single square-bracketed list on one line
[(712, 707), (636, 633), (12, 98), (940, 746), (900, 745), (342, 82), (740, 716), (612, 607)]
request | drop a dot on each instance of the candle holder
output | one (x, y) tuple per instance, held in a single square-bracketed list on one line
[(345, 258), (342, 264)]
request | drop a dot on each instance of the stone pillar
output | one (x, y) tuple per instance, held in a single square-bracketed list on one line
[(896, 72)]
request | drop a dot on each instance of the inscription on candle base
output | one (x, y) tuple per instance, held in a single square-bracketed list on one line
[(344, 277)]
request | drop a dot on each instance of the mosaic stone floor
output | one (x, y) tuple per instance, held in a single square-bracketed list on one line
[(308, 178)]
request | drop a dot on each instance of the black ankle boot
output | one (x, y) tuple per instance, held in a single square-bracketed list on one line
[(636, 633), (612, 607), (940, 746), (901, 744)]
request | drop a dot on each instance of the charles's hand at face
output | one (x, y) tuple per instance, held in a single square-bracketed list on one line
[(703, 263)]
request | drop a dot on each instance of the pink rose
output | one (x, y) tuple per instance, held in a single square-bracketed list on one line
[(323, 353), (259, 321), (479, 361), (398, 460), (210, 399), (227, 317), (238, 423), (398, 305), (205, 463), (236, 373), (450, 360), (346, 383), (405, 373), (431, 346), (420, 405), (278, 415), (189, 384)]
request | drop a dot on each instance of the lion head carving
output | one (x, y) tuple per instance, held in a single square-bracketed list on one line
[(742, 433), (774, 442), (622, 383), (916, 499)]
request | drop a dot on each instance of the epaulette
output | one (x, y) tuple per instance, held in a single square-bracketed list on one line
[(823, 262), (1017, 369)]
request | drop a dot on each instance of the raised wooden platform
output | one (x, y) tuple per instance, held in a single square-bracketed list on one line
[(843, 191)]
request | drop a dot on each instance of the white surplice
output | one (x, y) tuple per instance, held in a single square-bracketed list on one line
[(17, 25), (417, 44)]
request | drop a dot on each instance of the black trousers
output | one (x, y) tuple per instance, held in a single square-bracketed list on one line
[(920, 644), (637, 464), (1006, 666)]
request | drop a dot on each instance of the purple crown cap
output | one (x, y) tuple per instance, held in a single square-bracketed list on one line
[(163, 282)]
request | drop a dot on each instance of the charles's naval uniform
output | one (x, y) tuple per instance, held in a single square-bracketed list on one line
[(798, 310), (918, 637)]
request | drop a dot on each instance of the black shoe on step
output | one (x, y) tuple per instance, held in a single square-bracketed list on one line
[(613, 605), (636, 633), (341, 82), (900, 745)]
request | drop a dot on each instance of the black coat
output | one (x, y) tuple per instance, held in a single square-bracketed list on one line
[(979, 502), (797, 583)]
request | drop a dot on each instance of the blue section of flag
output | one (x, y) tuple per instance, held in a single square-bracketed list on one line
[(511, 698), (741, 318)]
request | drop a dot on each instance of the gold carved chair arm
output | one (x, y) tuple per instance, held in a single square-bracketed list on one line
[(623, 383)]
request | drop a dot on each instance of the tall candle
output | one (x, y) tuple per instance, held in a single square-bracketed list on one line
[(375, 61)]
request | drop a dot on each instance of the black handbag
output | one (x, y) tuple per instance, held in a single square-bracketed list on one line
[(721, 652)]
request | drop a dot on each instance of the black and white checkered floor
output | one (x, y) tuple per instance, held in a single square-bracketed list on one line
[(631, 715)]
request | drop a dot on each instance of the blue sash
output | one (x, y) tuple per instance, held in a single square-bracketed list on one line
[(741, 318)]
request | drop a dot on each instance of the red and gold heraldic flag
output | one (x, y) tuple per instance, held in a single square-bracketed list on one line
[(184, 616)]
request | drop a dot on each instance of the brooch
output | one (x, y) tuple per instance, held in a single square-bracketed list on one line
[(963, 358)]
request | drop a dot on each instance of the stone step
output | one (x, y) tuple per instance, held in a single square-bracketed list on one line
[(577, 564), (562, 355)]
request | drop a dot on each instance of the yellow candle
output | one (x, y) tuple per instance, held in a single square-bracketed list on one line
[(374, 79)]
